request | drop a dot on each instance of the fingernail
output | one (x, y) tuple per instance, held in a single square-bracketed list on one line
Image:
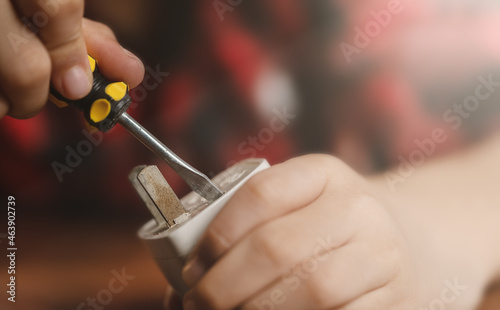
[(76, 83), (193, 271)]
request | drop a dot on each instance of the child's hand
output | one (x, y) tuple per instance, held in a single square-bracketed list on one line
[(305, 234), (46, 42)]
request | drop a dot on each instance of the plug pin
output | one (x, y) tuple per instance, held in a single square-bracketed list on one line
[(158, 196)]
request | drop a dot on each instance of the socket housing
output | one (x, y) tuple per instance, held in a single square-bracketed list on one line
[(171, 244)]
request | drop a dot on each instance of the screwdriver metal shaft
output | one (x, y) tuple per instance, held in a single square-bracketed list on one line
[(196, 180)]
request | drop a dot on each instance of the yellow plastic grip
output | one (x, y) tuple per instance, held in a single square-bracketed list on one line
[(100, 110), (57, 102), (104, 105), (117, 90), (93, 63)]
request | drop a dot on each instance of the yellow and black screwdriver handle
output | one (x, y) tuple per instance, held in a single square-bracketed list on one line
[(103, 105)]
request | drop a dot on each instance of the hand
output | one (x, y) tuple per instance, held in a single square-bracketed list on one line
[(56, 54), (305, 234)]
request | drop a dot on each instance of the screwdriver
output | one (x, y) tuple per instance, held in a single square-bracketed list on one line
[(107, 104)]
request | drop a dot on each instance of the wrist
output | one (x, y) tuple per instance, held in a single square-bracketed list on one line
[(455, 201), (443, 243)]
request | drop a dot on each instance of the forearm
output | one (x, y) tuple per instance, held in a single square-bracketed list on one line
[(454, 204)]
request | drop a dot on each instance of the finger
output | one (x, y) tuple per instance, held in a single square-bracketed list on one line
[(24, 65), (270, 194), (339, 278), (116, 63), (274, 249), (59, 25), (173, 300), (393, 294), (271, 251), (385, 297)]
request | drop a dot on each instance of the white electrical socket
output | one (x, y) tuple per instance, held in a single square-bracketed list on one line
[(171, 246)]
